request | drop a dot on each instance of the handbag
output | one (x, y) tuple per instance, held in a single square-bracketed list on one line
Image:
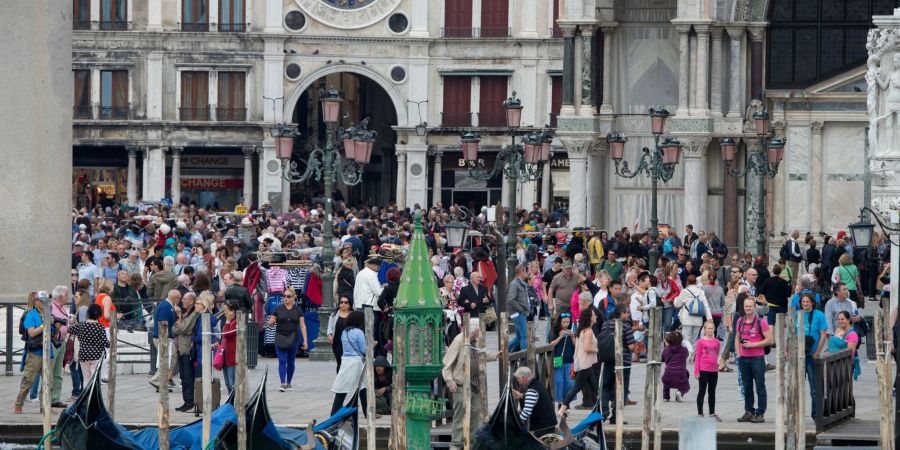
[(558, 360), (69, 355), (219, 358), (285, 342), (490, 316)]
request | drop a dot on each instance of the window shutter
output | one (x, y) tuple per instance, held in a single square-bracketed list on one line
[(457, 101), (494, 18)]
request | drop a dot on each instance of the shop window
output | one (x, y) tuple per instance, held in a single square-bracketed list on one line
[(114, 15), (231, 16), (194, 15), (194, 96), (495, 18), (457, 102), (490, 107), (81, 14), (114, 94), (457, 19), (812, 40), (82, 106), (231, 97)]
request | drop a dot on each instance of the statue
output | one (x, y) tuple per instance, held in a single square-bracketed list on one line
[(883, 94), (754, 107)]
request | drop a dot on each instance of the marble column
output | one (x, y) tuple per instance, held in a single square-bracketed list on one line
[(595, 191), (756, 61), (735, 101), (248, 176), (156, 174), (588, 71), (546, 186), (702, 71), (145, 170), (579, 74), (730, 211), (753, 203), (816, 207), (695, 183), (176, 175), (684, 48), (568, 102), (131, 187), (401, 179), (578, 149), (606, 106), (436, 181), (715, 86), (692, 74)]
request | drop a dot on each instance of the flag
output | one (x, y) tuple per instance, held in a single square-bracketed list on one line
[(636, 224)]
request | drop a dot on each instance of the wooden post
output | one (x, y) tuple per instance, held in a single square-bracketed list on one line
[(648, 382), (620, 384), (163, 385), (240, 380), (657, 382), (503, 320), (884, 382), (529, 352), (206, 367), (801, 383), (113, 365), (370, 378), (482, 369), (790, 379), (467, 385), (779, 382), (46, 369)]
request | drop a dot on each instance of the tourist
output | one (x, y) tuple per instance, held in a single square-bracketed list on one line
[(92, 341), (290, 334), (32, 330), (367, 288), (474, 297), (59, 306), (715, 295), (345, 280), (706, 370), (165, 312), (845, 337), (187, 320), (537, 406), (351, 378), (752, 335), (693, 309), (584, 360), (848, 274), (103, 299), (563, 356), (517, 305), (336, 323), (675, 375), (793, 256), (839, 302), (608, 378), (453, 372), (237, 292), (612, 266), (603, 299), (814, 332), (561, 289), (229, 344), (384, 379)]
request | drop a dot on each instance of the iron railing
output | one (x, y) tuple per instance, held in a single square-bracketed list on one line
[(81, 25), (458, 32), (82, 112), (232, 27), (833, 378), (195, 27), (194, 113), (495, 32), (231, 114), (114, 25), (115, 112), (456, 119)]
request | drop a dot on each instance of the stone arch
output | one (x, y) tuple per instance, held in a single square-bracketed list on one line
[(304, 83)]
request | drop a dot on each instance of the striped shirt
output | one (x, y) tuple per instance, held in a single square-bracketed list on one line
[(531, 398), (276, 279)]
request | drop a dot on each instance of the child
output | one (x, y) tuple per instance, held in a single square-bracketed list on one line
[(676, 375), (706, 368)]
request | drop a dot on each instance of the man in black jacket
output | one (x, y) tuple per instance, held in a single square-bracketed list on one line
[(236, 292), (474, 297), (537, 409)]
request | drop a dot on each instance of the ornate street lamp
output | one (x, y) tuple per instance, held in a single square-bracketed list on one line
[(456, 234), (762, 164), (658, 163), (862, 231), (357, 143)]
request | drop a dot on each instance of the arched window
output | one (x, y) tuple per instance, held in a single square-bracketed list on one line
[(813, 40)]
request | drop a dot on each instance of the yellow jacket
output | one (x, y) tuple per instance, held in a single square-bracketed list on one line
[(595, 251)]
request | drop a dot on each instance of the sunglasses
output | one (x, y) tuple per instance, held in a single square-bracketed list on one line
[(290, 296), (565, 315)]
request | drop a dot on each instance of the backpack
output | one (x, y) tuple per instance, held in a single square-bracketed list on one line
[(606, 345), (785, 251), (695, 307), (534, 304), (740, 327)]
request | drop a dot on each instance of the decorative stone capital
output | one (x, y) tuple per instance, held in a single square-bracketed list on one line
[(132, 151), (249, 151), (779, 129), (695, 147), (176, 151), (716, 33), (756, 33), (816, 127), (702, 29), (577, 147), (735, 33), (609, 29), (683, 28), (884, 204), (436, 152), (587, 31)]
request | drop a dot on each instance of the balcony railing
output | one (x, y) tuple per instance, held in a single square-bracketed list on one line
[(456, 119), (82, 112), (232, 27), (81, 25), (114, 25), (194, 113), (114, 112), (458, 32), (495, 32), (195, 27), (231, 114), (492, 119)]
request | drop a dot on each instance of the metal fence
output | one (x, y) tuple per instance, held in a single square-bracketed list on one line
[(833, 377)]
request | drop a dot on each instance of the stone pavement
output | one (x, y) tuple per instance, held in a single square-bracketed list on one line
[(311, 399)]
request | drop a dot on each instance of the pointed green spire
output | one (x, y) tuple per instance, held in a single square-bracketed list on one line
[(418, 288)]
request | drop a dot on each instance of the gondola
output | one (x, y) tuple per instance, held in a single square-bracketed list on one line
[(505, 430), (86, 425)]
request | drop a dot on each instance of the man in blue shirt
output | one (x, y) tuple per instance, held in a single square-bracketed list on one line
[(814, 327), (165, 312), (33, 323)]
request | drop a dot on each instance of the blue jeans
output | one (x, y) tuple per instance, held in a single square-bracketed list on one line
[(35, 388), (228, 374), (521, 339), (753, 372), (562, 382), (77, 378), (810, 376), (667, 313), (286, 360)]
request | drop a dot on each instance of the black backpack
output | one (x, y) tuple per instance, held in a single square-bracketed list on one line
[(785, 251), (606, 345), (767, 348)]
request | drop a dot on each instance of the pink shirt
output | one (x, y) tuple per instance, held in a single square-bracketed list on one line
[(752, 333), (706, 356)]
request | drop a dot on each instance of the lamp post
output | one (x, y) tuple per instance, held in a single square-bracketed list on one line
[(357, 143), (518, 162), (762, 164), (658, 163)]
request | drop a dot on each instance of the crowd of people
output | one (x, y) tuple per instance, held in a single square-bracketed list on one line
[(148, 265)]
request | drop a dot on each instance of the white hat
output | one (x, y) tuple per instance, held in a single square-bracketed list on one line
[(79, 243), (165, 228), (180, 224), (82, 226)]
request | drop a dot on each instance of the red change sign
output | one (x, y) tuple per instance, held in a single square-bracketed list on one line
[(212, 183)]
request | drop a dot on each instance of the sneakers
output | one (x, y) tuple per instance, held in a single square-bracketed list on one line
[(34, 400), (770, 367), (18, 410), (630, 403), (288, 387), (700, 415), (58, 405), (281, 388), (746, 417), (585, 407), (185, 407), (759, 418), (678, 397), (716, 417)]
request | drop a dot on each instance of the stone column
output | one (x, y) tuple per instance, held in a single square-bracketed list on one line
[(546, 186), (156, 174), (578, 148), (702, 72), (735, 102), (730, 211), (815, 178), (756, 61), (684, 48), (36, 132), (568, 103), (753, 214), (579, 74), (419, 19), (154, 15), (695, 183), (437, 181), (269, 175), (176, 175), (145, 170), (595, 191), (248, 176), (606, 106), (692, 74), (716, 78), (588, 70), (401, 179), (132, 175)]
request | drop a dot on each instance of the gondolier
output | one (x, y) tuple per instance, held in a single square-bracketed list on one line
[(538, 404)]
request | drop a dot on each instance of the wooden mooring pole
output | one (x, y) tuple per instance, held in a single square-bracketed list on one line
[(620, 385), (113, 365), (240, 380), (467, 385), (482, 369), (370, 378), (779, 382), (502, 325), (206, 367), (164, 385)]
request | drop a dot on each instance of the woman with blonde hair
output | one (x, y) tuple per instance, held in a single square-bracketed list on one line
[(290, 334), (847, 272)]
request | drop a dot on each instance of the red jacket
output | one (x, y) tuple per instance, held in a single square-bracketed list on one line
[(229, 340)]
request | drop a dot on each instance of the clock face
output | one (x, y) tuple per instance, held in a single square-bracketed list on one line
[(348, 4), (348, 14)]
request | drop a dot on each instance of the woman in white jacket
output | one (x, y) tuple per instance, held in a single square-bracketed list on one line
[(692, 324)]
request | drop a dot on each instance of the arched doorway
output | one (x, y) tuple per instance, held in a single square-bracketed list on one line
[(363, 98)]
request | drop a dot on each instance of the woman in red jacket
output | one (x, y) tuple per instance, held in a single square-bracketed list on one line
[(229, 343)]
